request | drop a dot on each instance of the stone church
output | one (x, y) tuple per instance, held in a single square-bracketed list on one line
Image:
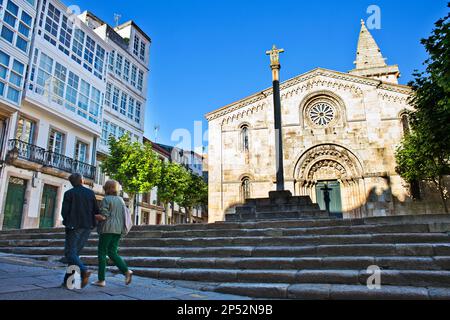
[(340, 132)]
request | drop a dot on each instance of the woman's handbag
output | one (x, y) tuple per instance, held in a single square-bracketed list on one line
[(128, 223)]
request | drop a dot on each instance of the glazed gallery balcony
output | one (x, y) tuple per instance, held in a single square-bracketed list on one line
[(28, 156)]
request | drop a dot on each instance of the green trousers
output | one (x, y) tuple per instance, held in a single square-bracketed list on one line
[(108, 245)]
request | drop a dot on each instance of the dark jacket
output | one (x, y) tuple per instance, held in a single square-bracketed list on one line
[(79, 208)]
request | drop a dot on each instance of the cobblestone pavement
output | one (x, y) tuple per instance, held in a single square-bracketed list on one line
[(27, 279)]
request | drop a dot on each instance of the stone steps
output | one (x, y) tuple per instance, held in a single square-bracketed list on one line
[(349, 277), (251, 232), (433, 221), (309, 263), (329, 291), (405, 249), (251, 241), (295, 259)]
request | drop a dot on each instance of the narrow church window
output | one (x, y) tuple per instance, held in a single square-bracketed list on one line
[(245, 138), (405, 124), (245, 188)]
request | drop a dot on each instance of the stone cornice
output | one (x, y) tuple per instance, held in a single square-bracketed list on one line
[(397, 88)]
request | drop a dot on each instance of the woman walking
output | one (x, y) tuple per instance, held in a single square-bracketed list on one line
[(111, 228)]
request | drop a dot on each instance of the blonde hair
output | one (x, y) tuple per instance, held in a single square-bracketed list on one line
[(111, 188)]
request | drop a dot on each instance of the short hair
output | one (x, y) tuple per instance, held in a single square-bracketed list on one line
[(111, 188), (76, 179)]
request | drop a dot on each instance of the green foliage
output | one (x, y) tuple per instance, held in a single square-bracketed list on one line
[(173, 182), (425, 153), (135, 166), (196, 193)]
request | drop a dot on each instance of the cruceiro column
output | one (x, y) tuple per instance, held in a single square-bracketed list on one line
[(275, 66)]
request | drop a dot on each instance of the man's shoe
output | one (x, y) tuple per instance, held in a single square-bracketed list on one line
[(128, 277), (85, 278)]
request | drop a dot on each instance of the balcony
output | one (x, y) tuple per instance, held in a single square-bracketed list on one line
[(32, 157)]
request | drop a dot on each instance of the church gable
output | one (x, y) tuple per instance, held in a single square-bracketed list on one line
[(316, 80)]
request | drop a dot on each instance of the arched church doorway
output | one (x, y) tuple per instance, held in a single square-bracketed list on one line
[(333, 177)]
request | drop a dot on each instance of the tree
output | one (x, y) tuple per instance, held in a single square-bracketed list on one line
[(425, 153), (172, 184), (135, 166), (195, 194)]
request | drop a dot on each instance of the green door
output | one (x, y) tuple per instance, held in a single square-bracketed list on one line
[(329, 197), (48, 206), (15, 198)]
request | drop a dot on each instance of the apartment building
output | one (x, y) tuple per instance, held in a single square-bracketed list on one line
[(63, 91)]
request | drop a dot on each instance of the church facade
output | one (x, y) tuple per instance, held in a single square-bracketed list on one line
[(340, 132)]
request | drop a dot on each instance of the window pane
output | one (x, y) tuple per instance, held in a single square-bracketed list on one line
[(18, 67), (7, 34), (123, 103), (13, 94), (3, 72), (22, 44), (15, 79), (9, 19), (11, 7), (2, 88), (23, 29), (46, 63), (4, 58), (26, 18)]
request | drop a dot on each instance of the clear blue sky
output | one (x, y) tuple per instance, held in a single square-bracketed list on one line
[(209, 53)]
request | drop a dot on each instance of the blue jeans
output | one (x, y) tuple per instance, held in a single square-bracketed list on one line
[(75, 242)]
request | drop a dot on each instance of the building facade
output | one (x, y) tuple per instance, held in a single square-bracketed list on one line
[(340, 132), (62, 93)]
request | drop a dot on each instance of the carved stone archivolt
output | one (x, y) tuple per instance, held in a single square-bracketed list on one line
[(326, 162)]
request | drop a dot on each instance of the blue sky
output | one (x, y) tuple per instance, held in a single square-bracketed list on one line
[(208, 53)]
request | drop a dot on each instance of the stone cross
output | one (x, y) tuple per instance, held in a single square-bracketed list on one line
[(326, 197)]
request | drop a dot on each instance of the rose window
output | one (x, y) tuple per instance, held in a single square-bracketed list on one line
[(321, 114)]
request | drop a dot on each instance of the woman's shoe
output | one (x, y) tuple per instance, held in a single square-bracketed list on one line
[(128, 277), (100, 284)]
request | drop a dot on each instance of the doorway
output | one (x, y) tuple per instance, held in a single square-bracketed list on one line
[(328, 195), (48, 207), (15, 199)]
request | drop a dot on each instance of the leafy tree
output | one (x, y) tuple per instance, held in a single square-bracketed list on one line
[(135, 166), (195, 194), (172, 184), (425, 153)]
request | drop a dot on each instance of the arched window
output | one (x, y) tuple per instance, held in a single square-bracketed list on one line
[(405, 124), (245, 138), (245, 188)]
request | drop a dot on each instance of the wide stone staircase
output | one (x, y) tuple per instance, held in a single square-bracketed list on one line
[(290, 259)]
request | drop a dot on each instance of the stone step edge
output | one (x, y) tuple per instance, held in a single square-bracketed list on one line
[(369, 260), (322, 240), (159, 234), (356, 277), (314, 291), (404, 219)]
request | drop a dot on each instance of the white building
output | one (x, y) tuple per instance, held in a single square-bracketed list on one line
[(59, 101)]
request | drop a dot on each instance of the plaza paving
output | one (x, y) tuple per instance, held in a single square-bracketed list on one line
[(27, 279)]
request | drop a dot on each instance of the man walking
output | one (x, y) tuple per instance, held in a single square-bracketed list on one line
[(79, 212)]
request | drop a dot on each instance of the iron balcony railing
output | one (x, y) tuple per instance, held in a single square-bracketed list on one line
[(26, 151), (29, 152)]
